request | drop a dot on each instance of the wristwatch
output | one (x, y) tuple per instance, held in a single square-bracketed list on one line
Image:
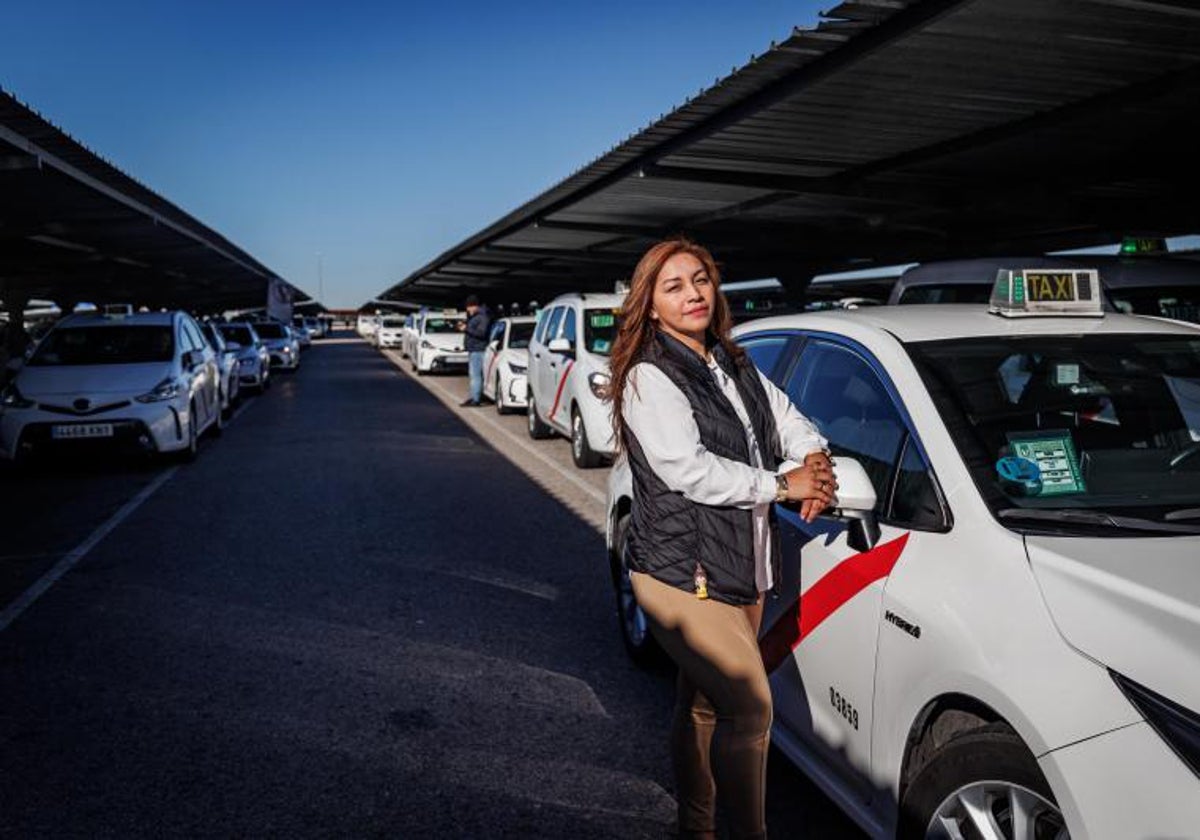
[(781, 488)]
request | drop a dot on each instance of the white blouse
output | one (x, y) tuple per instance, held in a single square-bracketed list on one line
[(660, 417)]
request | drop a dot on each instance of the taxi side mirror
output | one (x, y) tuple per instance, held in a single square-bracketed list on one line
[(560, 345), (856, 503)]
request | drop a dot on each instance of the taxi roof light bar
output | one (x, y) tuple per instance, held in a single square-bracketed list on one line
[(1033, 292)]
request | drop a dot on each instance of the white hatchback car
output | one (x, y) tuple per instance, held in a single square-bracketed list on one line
[(390, 332), (148, 381), (435, 342), (506, 362), (568, 374), (1005, 641)]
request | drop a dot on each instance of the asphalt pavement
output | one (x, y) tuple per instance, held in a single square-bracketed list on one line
[(352, 617)]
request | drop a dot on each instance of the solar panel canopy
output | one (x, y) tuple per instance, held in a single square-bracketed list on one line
[(895, 131)]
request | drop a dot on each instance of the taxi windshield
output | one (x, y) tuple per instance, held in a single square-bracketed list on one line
[(105, 345), (599, 330), (442, 325), (1082, 423)]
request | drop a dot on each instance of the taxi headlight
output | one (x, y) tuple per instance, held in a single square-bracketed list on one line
[(168, 389), (1178, 726), (425, 345), (518, 370), (599, 383), (10, 397)]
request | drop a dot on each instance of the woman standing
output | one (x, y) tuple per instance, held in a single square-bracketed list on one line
[(704, 432)]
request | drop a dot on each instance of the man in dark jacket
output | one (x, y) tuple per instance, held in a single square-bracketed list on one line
[(476, 329)]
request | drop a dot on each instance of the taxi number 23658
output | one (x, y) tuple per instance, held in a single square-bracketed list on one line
[(843, 707)]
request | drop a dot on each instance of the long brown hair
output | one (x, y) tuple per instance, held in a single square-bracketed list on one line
[(637, 327)]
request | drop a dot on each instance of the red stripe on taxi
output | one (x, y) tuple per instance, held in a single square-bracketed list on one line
[(827, 596), (561, 383)]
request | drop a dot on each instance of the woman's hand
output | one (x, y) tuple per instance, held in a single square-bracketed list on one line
[(813, 485)]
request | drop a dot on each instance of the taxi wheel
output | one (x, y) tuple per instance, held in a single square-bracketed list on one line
[(581, 453), (983, 783), (534, 425), (635, 632)]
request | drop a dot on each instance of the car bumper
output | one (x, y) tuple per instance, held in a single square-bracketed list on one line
[(152, 427), (441, 360), (285, 361), (1124, 784)]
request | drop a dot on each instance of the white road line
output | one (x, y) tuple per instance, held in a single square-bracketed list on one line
[(450, 399), (39, 587), (68, 562)]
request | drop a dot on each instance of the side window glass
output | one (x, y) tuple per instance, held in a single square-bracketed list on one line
[(539, 332), (497, 331), (569, 318), (193, 338), (915, 500), (840, 392), (552, 324), (764, 352)]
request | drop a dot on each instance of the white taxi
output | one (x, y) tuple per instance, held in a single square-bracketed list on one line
[(435, 342), (568, 374), (506, 362), (1000, 638), (149, 382), (390, 332)]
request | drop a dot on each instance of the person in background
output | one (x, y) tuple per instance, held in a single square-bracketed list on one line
[(477, 326), (705, 434)]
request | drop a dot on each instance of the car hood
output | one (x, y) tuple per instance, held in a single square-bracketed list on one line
[(518, 356), (42, 382), (1131, 604), (445, 341)]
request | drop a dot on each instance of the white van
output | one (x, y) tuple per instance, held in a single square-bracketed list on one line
[(568, 374)]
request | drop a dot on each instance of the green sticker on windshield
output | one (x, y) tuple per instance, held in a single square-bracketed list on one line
[(602, 319), (1054, 453)]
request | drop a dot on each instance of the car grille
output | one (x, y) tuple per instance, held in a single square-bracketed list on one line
[(87, 412)]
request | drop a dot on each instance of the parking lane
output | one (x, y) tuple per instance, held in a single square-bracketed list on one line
[(351, 616), (546, 462)]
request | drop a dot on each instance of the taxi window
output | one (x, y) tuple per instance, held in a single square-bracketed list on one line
[(568, 331), (915, 498), (836, 389), (1179, 302), (192, 334), (497, 333), (552, 322), (764, 352)]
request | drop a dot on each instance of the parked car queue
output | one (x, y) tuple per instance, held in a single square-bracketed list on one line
[(993, 634), (150, 383)]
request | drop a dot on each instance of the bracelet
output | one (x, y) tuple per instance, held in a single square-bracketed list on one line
[(781, 488)]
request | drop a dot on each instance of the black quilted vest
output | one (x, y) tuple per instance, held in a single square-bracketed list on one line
[(668, 533)]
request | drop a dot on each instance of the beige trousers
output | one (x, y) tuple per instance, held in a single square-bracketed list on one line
[(722, 724)]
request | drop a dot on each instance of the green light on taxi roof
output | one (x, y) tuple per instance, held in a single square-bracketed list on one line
[(1143, 245)]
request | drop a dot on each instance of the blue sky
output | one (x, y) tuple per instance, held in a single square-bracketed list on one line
[(374, 134)]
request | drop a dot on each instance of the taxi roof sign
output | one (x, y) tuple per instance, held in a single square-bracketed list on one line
[(1029, 292)]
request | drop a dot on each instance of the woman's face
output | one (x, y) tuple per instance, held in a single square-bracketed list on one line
[(682, 303)]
